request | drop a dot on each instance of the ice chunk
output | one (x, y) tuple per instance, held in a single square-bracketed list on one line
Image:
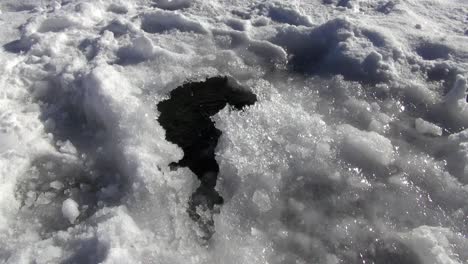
[(67, 147), (455, 104), (141, 49), (70, 210), (366, 148), (425, 127), (57, 185)]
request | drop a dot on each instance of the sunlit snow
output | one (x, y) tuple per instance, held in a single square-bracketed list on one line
[(355, 149)]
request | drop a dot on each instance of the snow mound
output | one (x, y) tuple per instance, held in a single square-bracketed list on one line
[(55, 24), (336, 47), (283, 14), (139, 50)]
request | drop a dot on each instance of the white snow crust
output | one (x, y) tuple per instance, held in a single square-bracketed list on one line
[(356, 151)]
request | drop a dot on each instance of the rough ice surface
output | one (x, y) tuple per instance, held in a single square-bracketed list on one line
[(355, 152)]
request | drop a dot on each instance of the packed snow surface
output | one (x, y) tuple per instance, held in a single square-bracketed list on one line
[(356, 150)]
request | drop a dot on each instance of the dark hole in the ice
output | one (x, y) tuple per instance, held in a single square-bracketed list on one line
[(186, 118)]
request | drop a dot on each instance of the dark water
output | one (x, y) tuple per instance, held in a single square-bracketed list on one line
[(186, 117)]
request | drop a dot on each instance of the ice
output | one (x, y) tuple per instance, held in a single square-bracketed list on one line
[(366, 148), (356, 150), (70, 210)]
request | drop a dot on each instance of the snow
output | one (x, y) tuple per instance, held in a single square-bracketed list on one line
[(432, 243), (356, 150), (425, 127)]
